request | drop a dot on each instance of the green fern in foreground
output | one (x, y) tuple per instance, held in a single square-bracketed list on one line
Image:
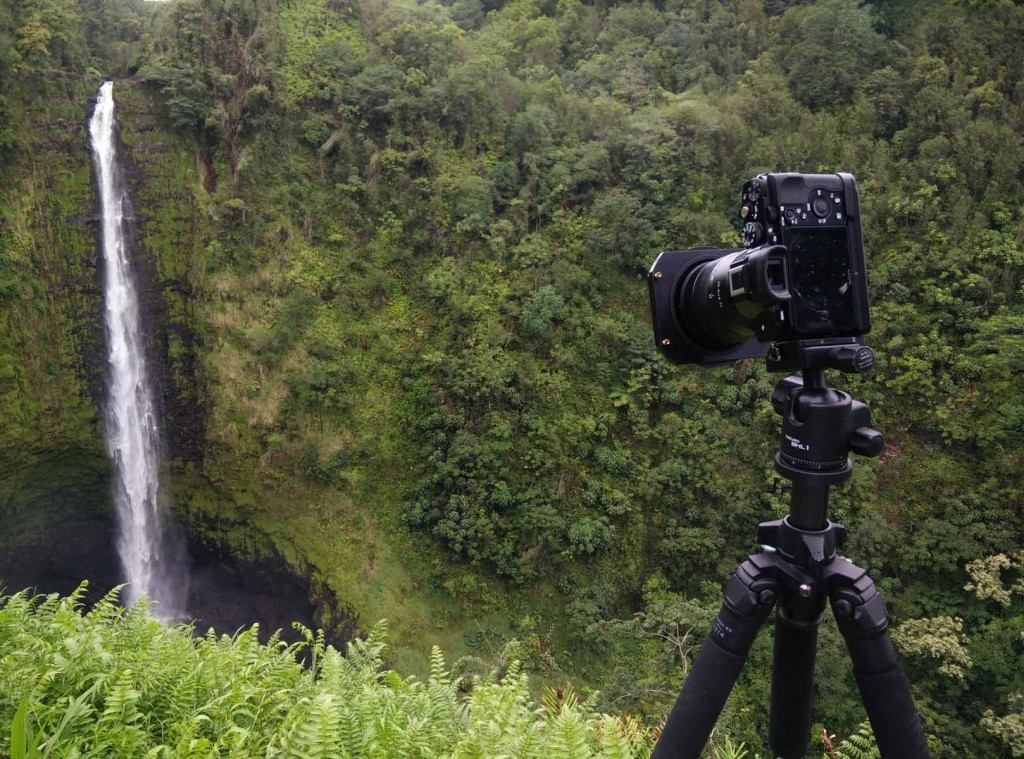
[(112, 682), (115, 682)]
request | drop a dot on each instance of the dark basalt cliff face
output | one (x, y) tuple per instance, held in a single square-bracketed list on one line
[(54, 477), (167, 237), (55, 494)]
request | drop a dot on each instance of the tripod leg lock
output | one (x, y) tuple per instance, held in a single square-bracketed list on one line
[(749, 598), (860, 614), (856, 602)]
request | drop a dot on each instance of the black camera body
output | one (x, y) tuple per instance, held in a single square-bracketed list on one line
[(800, 276), (816, 217)]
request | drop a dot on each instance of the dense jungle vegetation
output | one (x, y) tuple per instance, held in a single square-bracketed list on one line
[(169, 695), (401, 249)]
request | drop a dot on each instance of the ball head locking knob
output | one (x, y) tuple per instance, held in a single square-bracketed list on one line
[(867, 442)]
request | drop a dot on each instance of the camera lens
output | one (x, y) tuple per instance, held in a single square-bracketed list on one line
[(721, 302), (707, 309)]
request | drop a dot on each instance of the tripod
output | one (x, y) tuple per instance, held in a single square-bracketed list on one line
[(797, 572)]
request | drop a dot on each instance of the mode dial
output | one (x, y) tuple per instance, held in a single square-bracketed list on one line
[(753, 234)]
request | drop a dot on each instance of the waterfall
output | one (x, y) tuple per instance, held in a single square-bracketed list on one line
[(154, 563)]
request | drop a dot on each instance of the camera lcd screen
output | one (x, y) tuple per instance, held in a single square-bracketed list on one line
[(823, 298)]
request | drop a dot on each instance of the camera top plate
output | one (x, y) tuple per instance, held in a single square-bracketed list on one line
[(773, 202)]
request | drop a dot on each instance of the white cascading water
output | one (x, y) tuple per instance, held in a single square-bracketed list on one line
[(154, 564)]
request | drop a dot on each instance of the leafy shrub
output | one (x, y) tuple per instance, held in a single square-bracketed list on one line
[(116, 682)]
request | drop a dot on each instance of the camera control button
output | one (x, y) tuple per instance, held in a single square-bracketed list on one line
[(791, 215), (821, 208)]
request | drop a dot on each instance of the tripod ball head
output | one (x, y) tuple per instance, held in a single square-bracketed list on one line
[(820, 426)]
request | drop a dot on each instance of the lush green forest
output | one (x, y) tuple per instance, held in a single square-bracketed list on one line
[(398, 252)]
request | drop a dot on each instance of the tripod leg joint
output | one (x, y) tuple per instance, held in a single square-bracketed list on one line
[(856, 602), (749, 598)]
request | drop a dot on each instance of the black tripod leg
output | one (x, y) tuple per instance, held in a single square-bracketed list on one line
[(749, 598), (796, 644), (860, 613)]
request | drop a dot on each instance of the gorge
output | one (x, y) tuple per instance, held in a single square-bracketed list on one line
[(388, 259)]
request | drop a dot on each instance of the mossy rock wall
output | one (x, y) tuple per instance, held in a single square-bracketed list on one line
[(169, 238), (54, 486)]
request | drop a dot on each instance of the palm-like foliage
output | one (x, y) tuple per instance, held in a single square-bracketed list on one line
[(116, 682)]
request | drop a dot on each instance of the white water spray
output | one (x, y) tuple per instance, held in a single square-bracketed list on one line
[(153, 564)]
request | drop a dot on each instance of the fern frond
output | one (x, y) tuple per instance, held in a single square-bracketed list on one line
[(859, 745), (567, 734), (622, 738), (109, 607), (318, 735)]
